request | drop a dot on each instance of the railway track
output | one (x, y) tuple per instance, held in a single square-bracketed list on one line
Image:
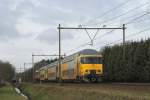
[(132, 84), (97, 84)]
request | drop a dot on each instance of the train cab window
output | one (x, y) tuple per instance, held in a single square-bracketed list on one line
[(91, 60)]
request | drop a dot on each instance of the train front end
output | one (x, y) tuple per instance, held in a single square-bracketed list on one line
[(91, 68)]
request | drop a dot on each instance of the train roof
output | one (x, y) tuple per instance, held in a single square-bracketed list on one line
[(87, 52), (49, 65)]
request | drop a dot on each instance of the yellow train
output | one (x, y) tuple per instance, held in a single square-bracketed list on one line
[(85, 65)]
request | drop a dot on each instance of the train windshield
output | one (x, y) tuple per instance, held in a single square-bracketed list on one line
[(91, 60)]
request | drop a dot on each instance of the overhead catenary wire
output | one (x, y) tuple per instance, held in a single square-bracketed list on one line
[(148, 12), (129, 22), (116, 17), (141, 21), (105, 13), (134, 34), (132, 16)]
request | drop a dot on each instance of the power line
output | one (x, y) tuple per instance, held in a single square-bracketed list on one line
[(116, 17), (137, 14), (129, 22), (134, 15), (143, 20), (105, 13), (134, 34)]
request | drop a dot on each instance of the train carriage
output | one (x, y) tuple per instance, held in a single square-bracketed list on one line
[(43, 73), (68, 68), (52, 71), (85, 65)]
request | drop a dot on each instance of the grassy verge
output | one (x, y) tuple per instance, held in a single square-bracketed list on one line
[(102, 92), (8, 93)]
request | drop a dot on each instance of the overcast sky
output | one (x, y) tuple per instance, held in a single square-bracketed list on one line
[(30, 26)]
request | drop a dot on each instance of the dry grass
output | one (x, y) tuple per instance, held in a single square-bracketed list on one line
[(87, 92)]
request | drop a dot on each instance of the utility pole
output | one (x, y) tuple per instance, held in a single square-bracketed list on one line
[(59, 53), (123, 28), (24, 73), (33, 67), (20, 73), (124, 40)]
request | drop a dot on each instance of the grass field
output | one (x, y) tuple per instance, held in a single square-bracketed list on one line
[(8, 93), (87, 92)]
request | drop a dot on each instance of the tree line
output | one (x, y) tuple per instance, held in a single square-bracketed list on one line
[(127, 63), (7, 71)]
